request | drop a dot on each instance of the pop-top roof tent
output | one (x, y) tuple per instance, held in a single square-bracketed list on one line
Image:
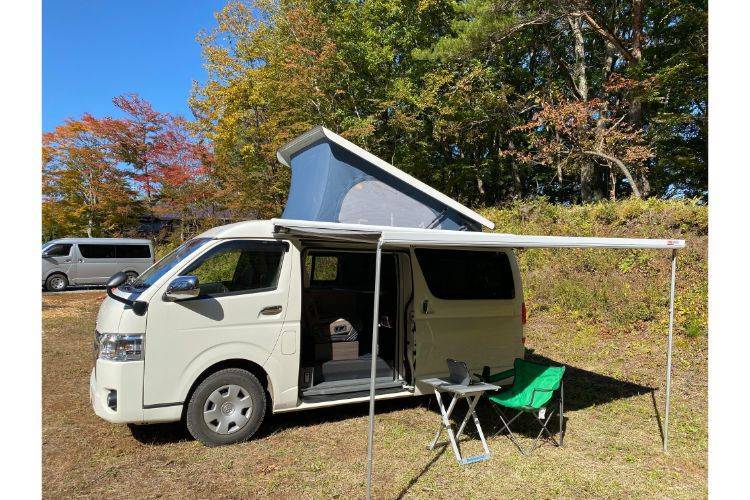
[(334, 180), (341, 192)]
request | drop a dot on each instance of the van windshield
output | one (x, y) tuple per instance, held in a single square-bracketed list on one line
[(166, 263)]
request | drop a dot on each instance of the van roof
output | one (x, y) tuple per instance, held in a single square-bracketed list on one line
[(94, 241)]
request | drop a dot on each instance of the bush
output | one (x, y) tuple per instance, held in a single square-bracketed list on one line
[(614, 289)]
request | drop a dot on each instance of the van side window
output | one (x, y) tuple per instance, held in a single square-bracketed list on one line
[(132, 251), (59, 250), (345, 271), (467, 275), (97, 251), (239, 266), (325, 269)]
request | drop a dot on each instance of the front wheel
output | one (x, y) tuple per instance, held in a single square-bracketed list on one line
[(227, 407)]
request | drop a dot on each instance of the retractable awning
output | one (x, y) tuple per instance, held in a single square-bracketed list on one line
[(385, 236), (398, 236)]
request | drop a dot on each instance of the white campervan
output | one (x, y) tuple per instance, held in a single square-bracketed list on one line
[(278, 315)]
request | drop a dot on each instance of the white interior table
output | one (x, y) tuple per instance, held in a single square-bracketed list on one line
[(471, 393)]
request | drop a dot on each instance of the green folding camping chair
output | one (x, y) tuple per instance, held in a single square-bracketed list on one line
[(533, 390)]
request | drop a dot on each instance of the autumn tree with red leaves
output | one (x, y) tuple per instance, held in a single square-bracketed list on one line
[(85, 193), (101, 175)]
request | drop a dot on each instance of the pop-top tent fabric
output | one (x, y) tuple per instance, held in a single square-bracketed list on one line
[(333, 180)]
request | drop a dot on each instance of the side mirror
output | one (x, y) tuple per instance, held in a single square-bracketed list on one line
[(181, 288), (116, 280)]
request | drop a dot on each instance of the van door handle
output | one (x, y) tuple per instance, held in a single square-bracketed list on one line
[(270, 310)]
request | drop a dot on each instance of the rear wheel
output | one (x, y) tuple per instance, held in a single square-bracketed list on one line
[(131, 276), (56, 282), (227, 407)]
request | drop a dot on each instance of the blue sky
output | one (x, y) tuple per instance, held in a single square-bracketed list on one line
[(94, 50)]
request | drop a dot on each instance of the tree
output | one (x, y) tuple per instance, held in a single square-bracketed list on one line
[(102, 174), (84, 192), (575, 49)]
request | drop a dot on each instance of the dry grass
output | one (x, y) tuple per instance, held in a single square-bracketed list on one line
[(612, 447)]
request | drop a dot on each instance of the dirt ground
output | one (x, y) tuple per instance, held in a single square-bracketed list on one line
[(612, 446)]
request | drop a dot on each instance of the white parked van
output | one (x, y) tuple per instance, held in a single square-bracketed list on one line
[(256, 316), (246, 318)]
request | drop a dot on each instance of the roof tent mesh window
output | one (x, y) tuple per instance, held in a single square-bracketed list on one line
[(467, 275), (332, 184)]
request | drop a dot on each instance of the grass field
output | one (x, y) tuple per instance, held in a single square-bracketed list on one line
[(612, 446)]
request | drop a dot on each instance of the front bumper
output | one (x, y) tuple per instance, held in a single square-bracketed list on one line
[(127, 379)]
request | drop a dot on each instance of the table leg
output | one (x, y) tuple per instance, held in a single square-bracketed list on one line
[(439, 398), (446, 424), (479, 430), (472, 404)]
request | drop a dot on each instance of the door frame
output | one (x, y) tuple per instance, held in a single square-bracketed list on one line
[(403, 318)]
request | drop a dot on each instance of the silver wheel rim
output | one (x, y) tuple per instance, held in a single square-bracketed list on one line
[(228, 409), (57, 283), (131, 277)]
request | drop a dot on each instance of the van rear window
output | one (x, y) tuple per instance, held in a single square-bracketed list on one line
[(467, 274), (132, 252)]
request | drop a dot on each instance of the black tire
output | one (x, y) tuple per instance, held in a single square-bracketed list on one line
[(199, 402), (56, 282), (131, 276)]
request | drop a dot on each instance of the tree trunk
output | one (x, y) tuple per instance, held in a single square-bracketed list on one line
[(515, 173), (637, 44), (579, 64), (621, 166), (587, 182), (589, 188), (636, 107)]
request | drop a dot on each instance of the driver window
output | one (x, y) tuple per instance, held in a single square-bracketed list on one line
[(237, 267), (59, 250)]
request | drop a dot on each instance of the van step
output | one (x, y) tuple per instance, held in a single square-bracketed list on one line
[(346, 386), (350, 395)]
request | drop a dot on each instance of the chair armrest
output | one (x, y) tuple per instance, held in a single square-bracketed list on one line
[(501, 375)]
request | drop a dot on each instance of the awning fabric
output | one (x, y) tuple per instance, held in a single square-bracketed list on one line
[(395, 236)]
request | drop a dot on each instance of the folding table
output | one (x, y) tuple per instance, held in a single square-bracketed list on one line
[(471, 393)]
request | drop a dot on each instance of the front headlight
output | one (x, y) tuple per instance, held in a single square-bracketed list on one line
[(121, 347)]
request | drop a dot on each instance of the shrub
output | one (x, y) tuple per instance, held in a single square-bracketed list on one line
[(614, 289)]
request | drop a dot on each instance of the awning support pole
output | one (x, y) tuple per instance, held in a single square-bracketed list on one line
[(669, 348), (373, 364)]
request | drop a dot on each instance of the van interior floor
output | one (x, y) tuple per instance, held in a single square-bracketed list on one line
[(351, 375)]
